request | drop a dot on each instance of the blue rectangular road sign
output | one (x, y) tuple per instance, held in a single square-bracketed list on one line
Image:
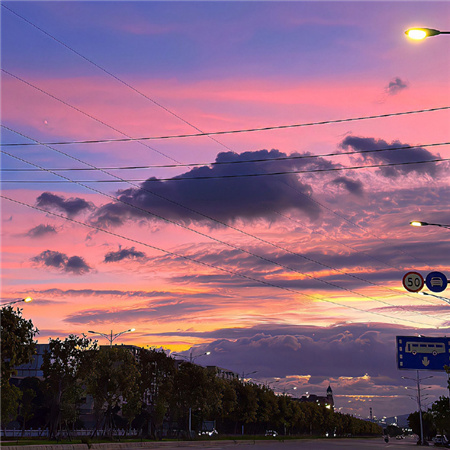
[(423, 353)]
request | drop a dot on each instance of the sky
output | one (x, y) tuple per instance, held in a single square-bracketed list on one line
[(287, 268)]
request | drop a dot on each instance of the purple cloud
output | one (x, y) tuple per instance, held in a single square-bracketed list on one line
[(40, 231), (247, 198), (71, 206), (124, 253), (395, 86), (407, 156), (73, 264)]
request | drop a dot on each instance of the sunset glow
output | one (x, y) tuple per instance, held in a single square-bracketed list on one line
[(290, 265)]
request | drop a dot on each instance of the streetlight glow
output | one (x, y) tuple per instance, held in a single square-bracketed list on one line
[(417, 223), (421, 33), (26, 300)]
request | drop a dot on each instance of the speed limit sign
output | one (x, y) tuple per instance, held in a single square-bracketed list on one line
[(413, 282)]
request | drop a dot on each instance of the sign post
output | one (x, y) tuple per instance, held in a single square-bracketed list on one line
[(423, 353)]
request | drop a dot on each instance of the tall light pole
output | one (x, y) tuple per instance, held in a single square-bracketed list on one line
[(419, 404), (417, 223), (422, 33), (26, 300), (112, 337)]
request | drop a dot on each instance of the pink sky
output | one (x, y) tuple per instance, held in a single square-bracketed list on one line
[(302, 267)]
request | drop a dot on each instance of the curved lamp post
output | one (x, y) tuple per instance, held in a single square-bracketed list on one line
[(26, 300), (416, 223), (112, 337), (191, 358), (422, 33)]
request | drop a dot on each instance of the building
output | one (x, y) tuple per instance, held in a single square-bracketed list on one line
[(225, 374), (326, 401)]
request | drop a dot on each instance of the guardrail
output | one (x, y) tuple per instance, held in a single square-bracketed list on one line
[(63, 434)]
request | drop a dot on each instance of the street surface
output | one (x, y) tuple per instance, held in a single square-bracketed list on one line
[(306, 444), (302, 444)]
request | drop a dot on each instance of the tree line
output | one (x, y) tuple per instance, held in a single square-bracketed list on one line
[(146, 390)]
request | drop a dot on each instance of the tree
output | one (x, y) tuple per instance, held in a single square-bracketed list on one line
[(66, 365), (113, 383), (440, 410), (429, 430), (17, 347), (157, 370)]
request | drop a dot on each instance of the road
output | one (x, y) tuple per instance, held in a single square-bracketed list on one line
[(304, 444)]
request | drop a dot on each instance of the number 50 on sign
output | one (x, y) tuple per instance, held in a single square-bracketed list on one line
[(413, 282)]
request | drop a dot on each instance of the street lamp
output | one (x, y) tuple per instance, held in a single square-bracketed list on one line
[(112, 337), (245, 375), (26, 300), (422, 33), (416, 223), (419, 404), (191, 358)]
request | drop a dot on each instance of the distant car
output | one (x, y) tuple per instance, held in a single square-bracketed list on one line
[(271, 433), (399, 437), (208, 432), (440, 440)]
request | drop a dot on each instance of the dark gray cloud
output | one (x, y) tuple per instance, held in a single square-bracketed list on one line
[(40, 231), (124, 253), (331, 352), (353, 186), (247, 198), (161, 310), (393, 157), (395, 86), (73, 264), (71, 206)]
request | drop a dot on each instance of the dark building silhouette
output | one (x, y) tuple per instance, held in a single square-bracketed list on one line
[(326, 401)]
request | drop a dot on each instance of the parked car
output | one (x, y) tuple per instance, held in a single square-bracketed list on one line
[(440, 440), (271, 433)]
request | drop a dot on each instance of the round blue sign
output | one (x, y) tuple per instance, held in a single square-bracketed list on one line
[(436, 281)]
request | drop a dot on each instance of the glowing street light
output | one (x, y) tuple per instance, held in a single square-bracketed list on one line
[(26, 300), (112, 337), (416, 223), (422, 33), (191, 358)]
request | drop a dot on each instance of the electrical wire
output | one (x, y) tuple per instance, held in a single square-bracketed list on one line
[(111, 74), (221, 163), (206, 134), (247, 175), (142, 210), (216, 133), (203, 263)]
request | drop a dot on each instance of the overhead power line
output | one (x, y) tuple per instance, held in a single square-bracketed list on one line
[(216, 133), (158, 216), (206, 264), (247, 175), (224, 163), (98, 66)]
